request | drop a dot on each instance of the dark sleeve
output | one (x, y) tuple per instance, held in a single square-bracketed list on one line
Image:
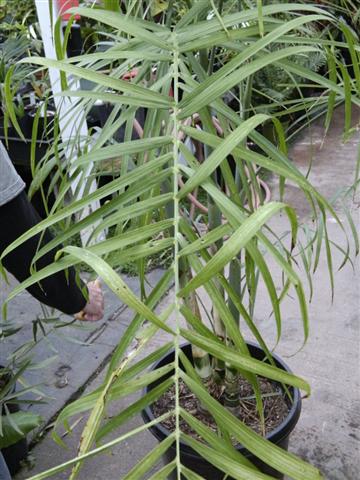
[(58, 290)]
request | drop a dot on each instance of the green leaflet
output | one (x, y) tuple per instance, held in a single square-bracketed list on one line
[(113, 391), (222, 151), (226, 464), (104, 80), (148, 461), (244, 362), (233, 245), (206, 240), (190, 475), (216, 441), (189, 33), (163, 473), (16, 426), (133, 409), (132, 177), (216, 89), (116, 284), (246, 53), (111, 98), (96, 451), (268, 452), (127, 24), (125, 148)]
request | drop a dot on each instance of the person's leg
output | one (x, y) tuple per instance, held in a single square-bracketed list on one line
[(4, 472)]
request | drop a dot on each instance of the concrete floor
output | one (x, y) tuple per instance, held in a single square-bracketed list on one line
[(327, 434)]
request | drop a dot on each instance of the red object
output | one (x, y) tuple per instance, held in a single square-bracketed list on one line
[(131, 74), (64, 5)]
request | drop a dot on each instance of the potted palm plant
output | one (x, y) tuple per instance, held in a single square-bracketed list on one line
[(226, 251)]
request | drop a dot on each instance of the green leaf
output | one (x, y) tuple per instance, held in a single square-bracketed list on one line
[(116, 53), (25, 422), (125, 148), (222, 151), (223, 462), (134, 211), (216, 89), (149, 360), (189, 474), (216, 441), (150, 459), (134, 409), (116, 284), (105, 80), (209, 27), (118, 390), (351, 42), (271, 454), (348, 100), (332, 94), (111, 5), (127, 24), (244, 362), (318, 79), (112, 98), (96, 451), (156, 295), (233, 245), (260, 17), (10, 103), (135, 175), (163, 473), (206, 240)]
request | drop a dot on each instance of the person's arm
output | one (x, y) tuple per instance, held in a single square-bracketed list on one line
[(58, 290)]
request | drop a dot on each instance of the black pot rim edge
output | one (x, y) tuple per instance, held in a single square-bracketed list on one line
[(275, 436)]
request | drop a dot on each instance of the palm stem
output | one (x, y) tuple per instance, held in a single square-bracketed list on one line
[(214, 221), (232, 391), (202, 360)]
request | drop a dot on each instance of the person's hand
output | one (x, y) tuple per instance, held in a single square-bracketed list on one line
[(94, 309)]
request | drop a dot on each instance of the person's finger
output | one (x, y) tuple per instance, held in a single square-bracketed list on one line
[(80, 315)]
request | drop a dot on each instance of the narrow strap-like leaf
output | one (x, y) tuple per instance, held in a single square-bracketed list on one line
[(96, 451), (163, 473), (133, 409), (127, 24), (224, 149), (101, 79), (244, 362), (150, 459), (270, 453), (233, 245), (216, 441), (132, 177), (226, 464)]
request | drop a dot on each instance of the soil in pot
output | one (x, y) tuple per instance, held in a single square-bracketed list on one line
[(276, 406), (281, 417)]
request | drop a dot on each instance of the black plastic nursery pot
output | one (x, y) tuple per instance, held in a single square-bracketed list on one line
[(191, 459)]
